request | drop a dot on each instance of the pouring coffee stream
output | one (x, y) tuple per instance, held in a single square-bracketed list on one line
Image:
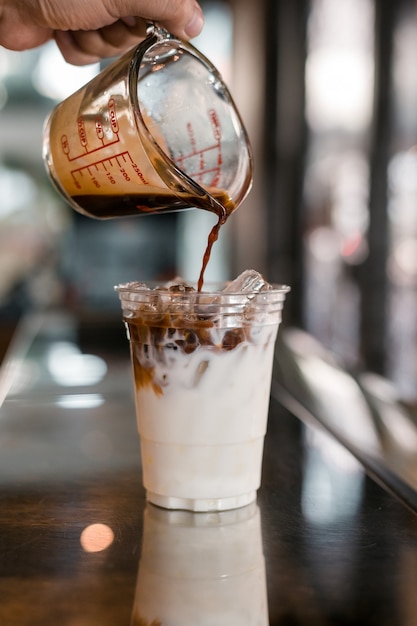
[(156, 131)]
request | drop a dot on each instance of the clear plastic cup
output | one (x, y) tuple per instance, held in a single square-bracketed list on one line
[(202, 366)]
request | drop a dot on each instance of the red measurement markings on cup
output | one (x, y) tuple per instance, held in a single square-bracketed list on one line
[(203, 164), (105, 130), (109, 170)]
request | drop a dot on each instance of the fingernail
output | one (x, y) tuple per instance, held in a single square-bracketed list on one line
[(130, 20), (195, 25)]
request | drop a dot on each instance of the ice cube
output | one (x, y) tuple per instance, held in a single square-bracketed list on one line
[(181, 288), (249, 281), (153, 303), (178, 285), (132, 286)]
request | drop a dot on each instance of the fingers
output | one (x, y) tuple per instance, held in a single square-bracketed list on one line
[(84, 47), (88, 31), (16, 34), (192, 28), (183, 18)]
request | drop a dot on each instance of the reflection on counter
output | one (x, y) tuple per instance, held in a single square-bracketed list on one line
[(199, 569), (96, 537), (360, 410), (333, 472)]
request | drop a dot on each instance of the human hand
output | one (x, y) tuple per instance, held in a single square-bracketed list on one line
[(89, 30)]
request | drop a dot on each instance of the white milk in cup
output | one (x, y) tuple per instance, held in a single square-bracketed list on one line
[(202, 365)]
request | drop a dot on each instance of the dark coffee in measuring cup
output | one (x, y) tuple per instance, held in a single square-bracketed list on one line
[(115, 205)]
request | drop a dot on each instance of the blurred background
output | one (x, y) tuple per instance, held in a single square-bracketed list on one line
[(328, 92)]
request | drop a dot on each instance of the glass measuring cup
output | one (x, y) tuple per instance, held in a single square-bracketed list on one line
[(155, 131)]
